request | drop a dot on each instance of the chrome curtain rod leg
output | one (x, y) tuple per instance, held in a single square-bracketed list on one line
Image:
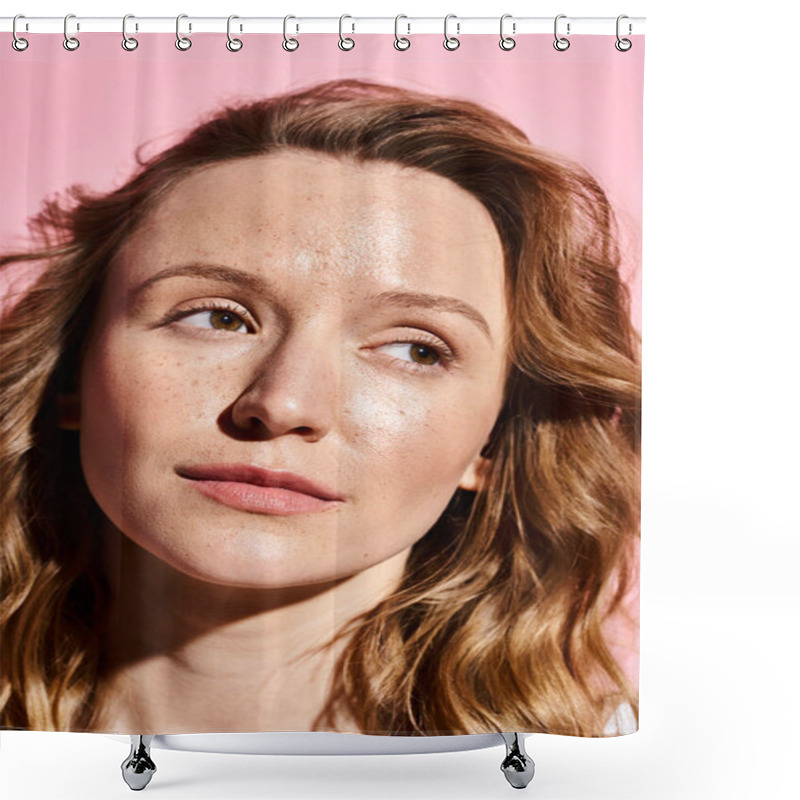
[(517, 766), (138, 768)]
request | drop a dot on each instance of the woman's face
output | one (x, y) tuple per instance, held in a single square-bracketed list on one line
[(281, 312)]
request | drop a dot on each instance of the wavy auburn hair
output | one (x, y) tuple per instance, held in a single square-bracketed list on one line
[(498, 623)]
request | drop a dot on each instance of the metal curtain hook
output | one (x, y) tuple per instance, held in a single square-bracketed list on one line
[(623, 45), (345, 42), (289, 43), (451, 42), (234, 45), (506, 42), (401, 43), (70, 42), (128, 42), (560, 42), (182, 42), (18, 43)]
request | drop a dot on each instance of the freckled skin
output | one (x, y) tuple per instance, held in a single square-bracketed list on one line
[(318, 387)]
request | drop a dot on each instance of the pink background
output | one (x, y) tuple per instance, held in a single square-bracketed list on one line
[(77, 117)]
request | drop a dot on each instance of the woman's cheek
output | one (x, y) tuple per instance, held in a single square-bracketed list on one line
[(419, 432), (385, 414)]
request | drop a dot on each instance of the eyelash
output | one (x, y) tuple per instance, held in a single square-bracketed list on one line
[(445, 355), (446, 358), (208, 306)]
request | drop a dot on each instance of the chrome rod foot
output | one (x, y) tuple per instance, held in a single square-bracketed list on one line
[(517, 766), (138, 768)]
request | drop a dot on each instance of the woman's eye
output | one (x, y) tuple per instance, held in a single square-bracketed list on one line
[(418, 354), (219, 319)]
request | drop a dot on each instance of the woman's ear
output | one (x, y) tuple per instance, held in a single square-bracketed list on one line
[(69, 412), (475, 477)]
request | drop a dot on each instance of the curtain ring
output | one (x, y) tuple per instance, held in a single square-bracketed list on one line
[(70, 42), (451, 42), (506, 42), (234, 45), (289, 43), (18, 43), (400, 42), (182, 42), (128, 42), (345, 42), (623, 45), (560, 42)]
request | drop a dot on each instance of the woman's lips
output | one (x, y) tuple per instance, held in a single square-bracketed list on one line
[(262, 499), (251, 488)]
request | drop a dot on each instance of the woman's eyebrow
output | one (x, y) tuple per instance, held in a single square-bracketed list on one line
[(435, 302), (212, 272), (254, 283)]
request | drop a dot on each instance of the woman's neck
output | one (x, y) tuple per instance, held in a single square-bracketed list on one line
[(187, 656)]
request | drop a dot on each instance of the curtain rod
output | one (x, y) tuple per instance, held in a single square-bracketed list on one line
[(512, 26)]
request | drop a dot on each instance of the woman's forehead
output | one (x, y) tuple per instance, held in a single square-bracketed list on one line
[(326, 218), (298, 189)]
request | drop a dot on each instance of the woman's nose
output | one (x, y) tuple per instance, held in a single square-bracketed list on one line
[(294, 388)]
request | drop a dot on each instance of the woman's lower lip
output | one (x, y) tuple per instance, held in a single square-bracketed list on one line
[(262, 499)]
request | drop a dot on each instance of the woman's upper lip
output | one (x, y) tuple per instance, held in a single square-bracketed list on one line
[(249, 473)]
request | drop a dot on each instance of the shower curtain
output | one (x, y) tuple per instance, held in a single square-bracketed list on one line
[(320, 382)]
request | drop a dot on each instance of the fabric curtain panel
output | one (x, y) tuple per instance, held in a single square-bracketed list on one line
[(320, 383)]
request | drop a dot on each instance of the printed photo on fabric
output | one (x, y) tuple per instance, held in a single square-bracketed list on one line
[(321, 386)]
